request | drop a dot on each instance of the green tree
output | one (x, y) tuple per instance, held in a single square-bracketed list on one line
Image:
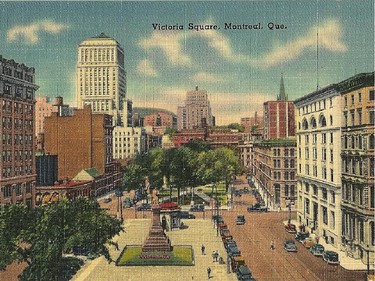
[(45, 233)]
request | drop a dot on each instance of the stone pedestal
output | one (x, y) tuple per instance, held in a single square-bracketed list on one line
[(156, 240)]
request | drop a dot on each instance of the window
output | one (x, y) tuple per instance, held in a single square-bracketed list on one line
[(324, 154), (331, 172), (371, 95), (372, 117), (359, 112), (307, 206), (286, 163), (352, 118), (313, 123), (291, 152), (325, 215), (286, 190), (371, 142), (315, 154), (307, 169), (332, 224), (331, 137), (333, 198), (307, 187), (286, 152), (315, 171), (322, 121), (331, 155), (324, 138), (345, 101), (352, 99), (331, 120), (315, 189), (359, 97), (306, 153), (324, 193), (314, 138), (324, 173), (292, 163)]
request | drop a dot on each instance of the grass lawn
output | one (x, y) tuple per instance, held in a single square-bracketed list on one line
[(180, 256)]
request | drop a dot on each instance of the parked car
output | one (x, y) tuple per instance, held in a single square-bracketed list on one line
[(291, 228), (290, 246), (186, 215), (233, 251), (236, 262), (257, 208), (317, 250), (229, 243), (300, 236), (218, 219), (144, 207), (243, 273), (197, 208), (240, 220), (107, 200), (331, 257), (308, 242)]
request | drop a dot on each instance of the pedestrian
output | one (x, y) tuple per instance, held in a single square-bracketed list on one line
[(216, 255), (203, 248), (209, 272), (272, 245)]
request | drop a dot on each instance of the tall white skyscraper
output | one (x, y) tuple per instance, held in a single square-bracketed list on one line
[(101, 77)]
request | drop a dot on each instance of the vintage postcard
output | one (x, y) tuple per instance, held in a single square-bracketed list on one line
[(187, 140)]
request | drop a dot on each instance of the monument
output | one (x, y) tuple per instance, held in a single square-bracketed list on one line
[(157, 240)]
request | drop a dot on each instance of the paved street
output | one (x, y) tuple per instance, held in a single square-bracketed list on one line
[(254, 240)]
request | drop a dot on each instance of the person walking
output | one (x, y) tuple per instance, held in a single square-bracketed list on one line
[(203, 249), (209, 272)]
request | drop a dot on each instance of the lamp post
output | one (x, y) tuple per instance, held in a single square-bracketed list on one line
[(119, 194)]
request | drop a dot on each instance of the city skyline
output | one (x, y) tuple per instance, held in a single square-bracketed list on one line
[(239, 68)]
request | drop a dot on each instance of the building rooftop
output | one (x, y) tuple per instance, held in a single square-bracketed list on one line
[(277, 142)]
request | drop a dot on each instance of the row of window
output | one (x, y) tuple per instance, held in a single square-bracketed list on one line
[(17, 171), (97, 55), (287, 152), (17, 139), (371, 97), (17, 73), (356, 166), (315, 172), (324, 212), (18, 107), (18, 91), (323, 138), (354, 228), (18, 155), (19, 124), (287, 163), (316, 106), (315, 154), (358, 141), (355, 117), (8, 189)]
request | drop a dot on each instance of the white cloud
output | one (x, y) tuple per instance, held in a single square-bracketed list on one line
[(206, 77), (170, 43), (30, 33), (329, 38), (145, 67)]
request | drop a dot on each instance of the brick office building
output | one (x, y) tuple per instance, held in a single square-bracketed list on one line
[(81, 141), (17, 165)]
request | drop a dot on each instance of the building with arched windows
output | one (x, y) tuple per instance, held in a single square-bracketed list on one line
[(335, 164)]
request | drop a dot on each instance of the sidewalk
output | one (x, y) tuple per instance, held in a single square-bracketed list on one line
[(345, 261), (200, 231)]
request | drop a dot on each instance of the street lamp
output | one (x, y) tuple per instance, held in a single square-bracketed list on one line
[(119, 194)]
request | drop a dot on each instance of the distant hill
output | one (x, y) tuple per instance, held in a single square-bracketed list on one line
[(148, 110)]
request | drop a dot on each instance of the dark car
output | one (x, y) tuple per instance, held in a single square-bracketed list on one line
[(218, 219), (290, 246), (257, 208), (197, 208), (317, 250), (240, 220), (144, 207), (229, 243), (233, 251), (243, 273), (331, 257), (291, 228), (186, 215), (301, 236)]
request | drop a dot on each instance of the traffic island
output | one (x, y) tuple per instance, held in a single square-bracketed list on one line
[(133, 255)]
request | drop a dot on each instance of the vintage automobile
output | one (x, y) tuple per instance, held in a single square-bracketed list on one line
[(257, 207), (331, 257), (243, 274), (308, 242), (317, 250), (218, 219), (233, 251), (291, 228), (300, 236), (186, 215), (197, 208), (236, 262), (290, 245), (240, 220), (229, 243)]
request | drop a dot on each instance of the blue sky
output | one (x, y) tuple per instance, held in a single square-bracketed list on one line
[(240, 69)]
